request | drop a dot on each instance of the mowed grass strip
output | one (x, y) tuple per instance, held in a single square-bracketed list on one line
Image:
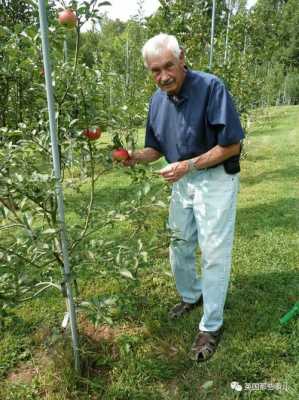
[(144, 355)]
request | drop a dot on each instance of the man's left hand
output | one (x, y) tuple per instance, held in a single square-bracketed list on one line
[(173, 172)]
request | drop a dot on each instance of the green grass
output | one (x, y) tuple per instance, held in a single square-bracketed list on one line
[(143, 355)]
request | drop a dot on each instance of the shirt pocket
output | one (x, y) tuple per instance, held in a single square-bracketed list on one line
[(187, 142)]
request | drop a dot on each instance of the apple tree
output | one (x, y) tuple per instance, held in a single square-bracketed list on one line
[(30, 246)]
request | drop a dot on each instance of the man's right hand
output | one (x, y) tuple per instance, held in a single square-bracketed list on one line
[(130, 161)]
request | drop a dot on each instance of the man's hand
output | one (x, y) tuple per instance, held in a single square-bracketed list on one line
[(130, 161), (173, 172)]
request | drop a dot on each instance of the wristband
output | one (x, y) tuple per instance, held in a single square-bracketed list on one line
[(191, 165)]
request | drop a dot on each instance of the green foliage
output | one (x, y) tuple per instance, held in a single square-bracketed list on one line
[(289, 31), (14, 12), (31, 248), (292, 88), (190, 22), (248, 44)]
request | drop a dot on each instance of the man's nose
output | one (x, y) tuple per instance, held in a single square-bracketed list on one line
[(164, 76)]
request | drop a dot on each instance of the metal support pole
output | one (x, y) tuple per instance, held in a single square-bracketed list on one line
[(212, 35), (127, 62), (58, 185), (227, 30), (65, 60), (65, 50)]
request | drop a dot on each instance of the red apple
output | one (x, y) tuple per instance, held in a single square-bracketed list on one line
[(67, 18), (120, 154), (92, 134)]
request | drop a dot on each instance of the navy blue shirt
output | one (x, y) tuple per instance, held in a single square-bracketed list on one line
[(200, 117)]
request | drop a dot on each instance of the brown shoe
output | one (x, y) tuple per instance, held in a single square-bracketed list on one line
[(204, 345), (183, 308)]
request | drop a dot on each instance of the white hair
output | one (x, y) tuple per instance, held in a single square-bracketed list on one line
[(159, 43)]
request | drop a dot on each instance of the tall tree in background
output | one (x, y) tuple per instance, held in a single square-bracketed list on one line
[(13, 12), (289, 32), (190, 22)]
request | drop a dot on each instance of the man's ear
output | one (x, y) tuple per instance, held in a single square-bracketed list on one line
[(182, 55)]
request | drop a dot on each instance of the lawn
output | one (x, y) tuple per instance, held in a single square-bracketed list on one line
[(135, 352)]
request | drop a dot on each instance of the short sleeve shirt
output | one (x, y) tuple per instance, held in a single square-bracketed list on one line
[(200, 117)]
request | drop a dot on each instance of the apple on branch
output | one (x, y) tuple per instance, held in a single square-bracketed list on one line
[(120, 154), (92, 134), (67, 18)]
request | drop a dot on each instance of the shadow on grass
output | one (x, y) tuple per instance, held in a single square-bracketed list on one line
[(110, 195), (253, 341), (268, 216), (283, 175), (257, 301), (152, 350)]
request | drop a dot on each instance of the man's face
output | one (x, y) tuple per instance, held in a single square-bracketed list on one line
[(168, 71)]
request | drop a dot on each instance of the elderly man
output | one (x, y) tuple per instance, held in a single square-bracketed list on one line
[(193, 123)]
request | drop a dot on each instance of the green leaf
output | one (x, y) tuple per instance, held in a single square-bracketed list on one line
[(126, 273), (147, 188), (144, 256), (5, 211), (104, 3), (110, 301), (19, 177), (140, 245), (49, 231), (91, 255), (108, 320), (117, 259), (161, 204), (22, 204), (73, 122), (85, 304), (207, 385), (27, 218)]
